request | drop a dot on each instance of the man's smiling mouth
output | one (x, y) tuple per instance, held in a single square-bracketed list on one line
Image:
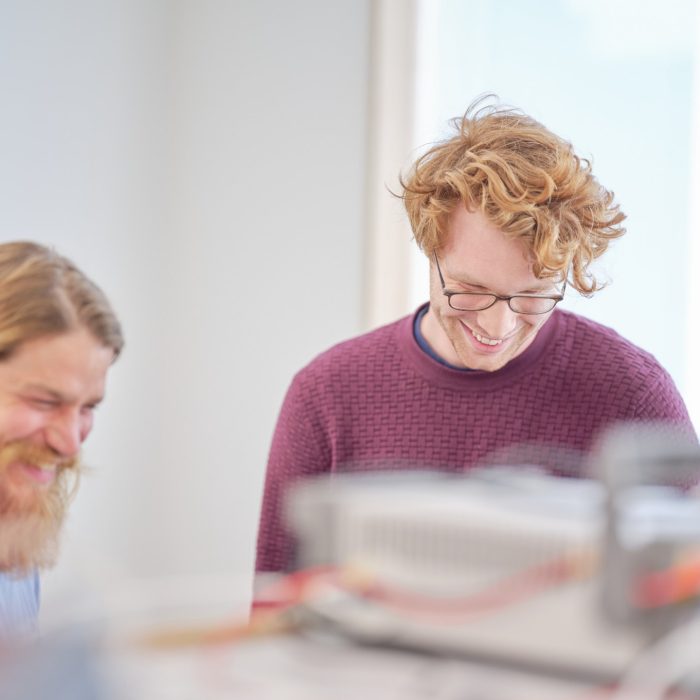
[(483, 339), (486, 341)]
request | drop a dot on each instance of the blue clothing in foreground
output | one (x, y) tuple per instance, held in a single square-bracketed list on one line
[(19, 603)]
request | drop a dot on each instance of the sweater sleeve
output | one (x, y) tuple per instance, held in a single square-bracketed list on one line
[(299, 449)]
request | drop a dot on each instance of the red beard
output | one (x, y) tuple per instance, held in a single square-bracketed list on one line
[(31, 513)]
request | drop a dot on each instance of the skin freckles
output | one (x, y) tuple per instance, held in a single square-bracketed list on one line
[(477, 256)]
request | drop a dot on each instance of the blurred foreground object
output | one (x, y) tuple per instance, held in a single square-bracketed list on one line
[(62, 667), (563, 576), (497, 586)]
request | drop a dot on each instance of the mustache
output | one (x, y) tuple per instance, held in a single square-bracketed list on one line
[(39, 455)]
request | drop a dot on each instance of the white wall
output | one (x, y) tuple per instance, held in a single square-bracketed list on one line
[(204, 161)]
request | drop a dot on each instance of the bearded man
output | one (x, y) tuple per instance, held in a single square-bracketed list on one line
[(58, 337)]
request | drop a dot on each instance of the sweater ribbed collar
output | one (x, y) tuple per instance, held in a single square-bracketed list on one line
[(438, 373)]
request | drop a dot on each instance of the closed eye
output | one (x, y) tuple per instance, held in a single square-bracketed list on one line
[(477, 288), (43, 404)]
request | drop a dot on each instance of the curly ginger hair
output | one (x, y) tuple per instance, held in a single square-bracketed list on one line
[(527, 181)]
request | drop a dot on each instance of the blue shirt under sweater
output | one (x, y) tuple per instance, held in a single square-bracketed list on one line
[(423, 343), (19, 603)]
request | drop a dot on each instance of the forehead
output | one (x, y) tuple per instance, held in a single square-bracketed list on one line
[(73, 364), (477, 251)]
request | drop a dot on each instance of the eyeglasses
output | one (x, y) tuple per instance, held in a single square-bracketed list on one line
[(520, 303)]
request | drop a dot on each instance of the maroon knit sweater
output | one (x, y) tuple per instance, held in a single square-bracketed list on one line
[(380, 402)]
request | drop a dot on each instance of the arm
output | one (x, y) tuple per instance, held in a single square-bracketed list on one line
[(299, 448)]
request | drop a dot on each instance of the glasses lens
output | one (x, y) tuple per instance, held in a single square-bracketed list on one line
[(471, 302), (532, 305)]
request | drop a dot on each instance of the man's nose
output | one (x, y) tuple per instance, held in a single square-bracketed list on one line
[(498, 320), (65, 434)]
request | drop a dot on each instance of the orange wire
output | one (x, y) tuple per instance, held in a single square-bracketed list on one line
[(515, 588), (676, 584)]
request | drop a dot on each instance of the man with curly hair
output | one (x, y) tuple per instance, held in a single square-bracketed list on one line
[(489, 370), (58, 337)]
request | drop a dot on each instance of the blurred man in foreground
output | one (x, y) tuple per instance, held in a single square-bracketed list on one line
[(508, 216), (58, 338)]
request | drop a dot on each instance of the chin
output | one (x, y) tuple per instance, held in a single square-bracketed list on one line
[(484, 361), (31, 521)]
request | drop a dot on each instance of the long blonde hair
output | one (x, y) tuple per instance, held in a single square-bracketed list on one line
[(43, 293)]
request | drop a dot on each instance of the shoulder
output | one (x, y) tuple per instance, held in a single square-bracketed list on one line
[(604, 348), (610, 374), (610, 369), (355, 367), (357, 355), (344, 375)]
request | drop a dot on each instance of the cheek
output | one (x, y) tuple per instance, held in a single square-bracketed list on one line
[(455, 316), (20, 423)]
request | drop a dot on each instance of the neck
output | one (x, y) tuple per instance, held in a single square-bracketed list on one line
[(435, 336)]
